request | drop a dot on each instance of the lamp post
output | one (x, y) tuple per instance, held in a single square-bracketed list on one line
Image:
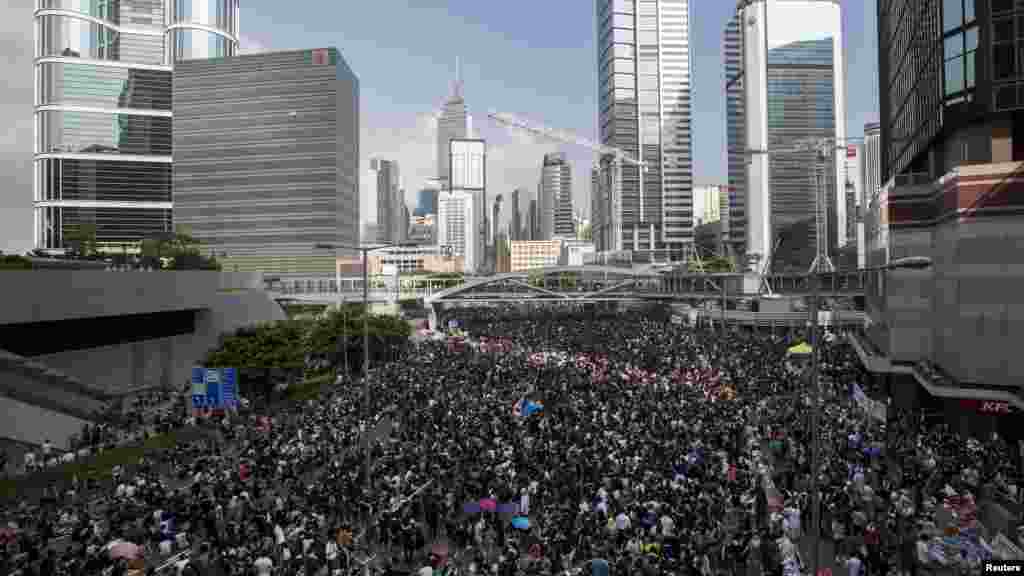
[(366, 332), (908, 263)]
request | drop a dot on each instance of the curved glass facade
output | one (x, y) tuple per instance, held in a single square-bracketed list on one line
[(103, 128)]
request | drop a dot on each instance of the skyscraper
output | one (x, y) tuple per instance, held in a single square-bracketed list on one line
[(517, 215), (451, 124), (792, 90), (103, 111), (271, 166), (389, 200), (456, 218), (532, 225), (734, 228), (555, 200), (468, 173), (644, 108)]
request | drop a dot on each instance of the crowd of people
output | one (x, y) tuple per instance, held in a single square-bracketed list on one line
[(541, 443)]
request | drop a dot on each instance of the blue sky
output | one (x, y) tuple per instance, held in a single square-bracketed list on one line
[(535, 58)]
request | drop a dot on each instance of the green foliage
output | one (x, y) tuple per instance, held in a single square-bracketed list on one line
[(713, 265), (81, 240), (567, 280), (586, 233), (310, 388), (14, 262), (271, 345), (177, 250)]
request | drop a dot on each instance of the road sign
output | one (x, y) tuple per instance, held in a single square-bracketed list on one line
[(214, 387)]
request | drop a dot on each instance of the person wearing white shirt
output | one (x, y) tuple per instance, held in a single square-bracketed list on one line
[(263, 566), (854, 566)]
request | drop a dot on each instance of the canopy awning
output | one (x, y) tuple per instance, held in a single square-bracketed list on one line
[(801, 349)]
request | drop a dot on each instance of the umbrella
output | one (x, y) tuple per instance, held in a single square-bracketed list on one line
[(801, 349), (125, 550), (521, 522), (488, 504)]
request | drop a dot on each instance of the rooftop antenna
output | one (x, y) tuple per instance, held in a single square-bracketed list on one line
[(458, 77)]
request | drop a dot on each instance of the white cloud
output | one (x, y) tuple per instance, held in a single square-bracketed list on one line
[(16, 133)]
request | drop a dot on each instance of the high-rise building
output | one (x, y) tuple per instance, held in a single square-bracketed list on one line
[(517, 214), (456, 216), (390, 200), (951, 129), (270, 166), (597, 204), (555, 197), (644, 96), (532, 225), (403, 222), (451, 124), (854, 198), (793, 90), (467, 170), (103, 111), (426, 202), (707, 202), (734, 228), (871, 179)]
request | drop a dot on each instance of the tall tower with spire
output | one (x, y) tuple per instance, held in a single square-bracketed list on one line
[(453, 123)]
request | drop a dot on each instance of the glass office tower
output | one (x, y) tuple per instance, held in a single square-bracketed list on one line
[(103, 110), (644, 100)]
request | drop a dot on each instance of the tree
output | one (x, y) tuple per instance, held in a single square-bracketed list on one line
[(14, 262), (263, 354), (713, 265), (81, 240), (586, 233), (177, 250), (340, 333)]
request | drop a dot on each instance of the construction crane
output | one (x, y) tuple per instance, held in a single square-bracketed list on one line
[(618, 157), (825, 149)]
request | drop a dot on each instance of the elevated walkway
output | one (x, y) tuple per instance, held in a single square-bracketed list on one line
[(32, 424)]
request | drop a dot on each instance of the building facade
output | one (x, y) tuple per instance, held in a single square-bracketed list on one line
[(792, 91), (456, 215), (707, 201), (849, 243), (644, 108), (390, 201), (532, 224), (414, 259), (555, 200), (952, 151), (871, 177), (102, 150), (271, 167), (734, 228), (516, 214), (534, 254)]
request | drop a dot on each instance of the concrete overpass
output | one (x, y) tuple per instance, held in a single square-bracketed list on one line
[(71, 341)]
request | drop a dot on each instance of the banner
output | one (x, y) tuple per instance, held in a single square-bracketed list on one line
[(214, 387)]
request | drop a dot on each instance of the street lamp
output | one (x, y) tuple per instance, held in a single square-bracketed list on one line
[(908, 263)]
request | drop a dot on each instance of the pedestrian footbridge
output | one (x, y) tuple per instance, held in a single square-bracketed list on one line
[(573, 283)]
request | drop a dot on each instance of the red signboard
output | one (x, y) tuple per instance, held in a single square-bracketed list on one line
[(987, 406)]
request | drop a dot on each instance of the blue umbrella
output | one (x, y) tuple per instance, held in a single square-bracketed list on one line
[(521, 522)]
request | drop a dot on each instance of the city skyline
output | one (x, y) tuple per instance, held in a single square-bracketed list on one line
[(505, 65)]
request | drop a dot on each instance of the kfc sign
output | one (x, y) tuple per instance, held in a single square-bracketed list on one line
[(987, 406)]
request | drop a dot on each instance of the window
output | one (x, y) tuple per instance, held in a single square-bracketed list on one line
[(952, 14), (959, 50)]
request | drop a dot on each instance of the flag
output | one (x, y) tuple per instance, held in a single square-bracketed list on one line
[(523, 408)]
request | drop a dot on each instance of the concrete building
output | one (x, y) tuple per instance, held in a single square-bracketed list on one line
[(468, 174), (532, 224), (370, 233), (390, 201), (707, 202), (734, 228), (555, 198), (517, 214), (415, 259), (575, 252), (644, 108), (950, 162), (269, 167), (534, 254), (456, 215), (793, 89), (871, 179), (848, 241), (102, 150), (66, 353)]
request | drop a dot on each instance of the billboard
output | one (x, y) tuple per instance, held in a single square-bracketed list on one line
[(468, 164), (214, 387)]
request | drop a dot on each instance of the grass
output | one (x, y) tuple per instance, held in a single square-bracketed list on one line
[(98, 466)]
